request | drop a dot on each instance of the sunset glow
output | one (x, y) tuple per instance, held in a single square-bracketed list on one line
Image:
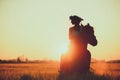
[(39, 29), (62, 49)]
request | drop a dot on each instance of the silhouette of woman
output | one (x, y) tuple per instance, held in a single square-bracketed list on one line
[(78, 57)]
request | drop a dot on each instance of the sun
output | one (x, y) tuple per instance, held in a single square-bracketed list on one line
[(63, 48)]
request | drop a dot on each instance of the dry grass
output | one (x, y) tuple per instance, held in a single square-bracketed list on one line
[(49, 71)]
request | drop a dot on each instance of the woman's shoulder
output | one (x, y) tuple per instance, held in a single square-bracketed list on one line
[(71, 28)]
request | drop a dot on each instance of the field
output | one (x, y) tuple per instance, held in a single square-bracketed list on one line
[(49, 71)]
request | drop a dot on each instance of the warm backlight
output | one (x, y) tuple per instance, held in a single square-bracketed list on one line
[(63, 48)]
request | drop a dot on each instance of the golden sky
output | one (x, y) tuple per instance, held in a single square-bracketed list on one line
[(38, 29)]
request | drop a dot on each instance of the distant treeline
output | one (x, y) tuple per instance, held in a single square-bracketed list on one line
[(113, 61), (26, 61), (19, 60)]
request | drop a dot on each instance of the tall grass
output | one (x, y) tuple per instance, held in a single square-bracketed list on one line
[(48, 71)]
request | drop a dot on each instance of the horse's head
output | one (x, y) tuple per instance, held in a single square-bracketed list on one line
[(89, 29)]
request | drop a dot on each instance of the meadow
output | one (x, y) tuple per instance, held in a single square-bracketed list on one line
[(49, 71)]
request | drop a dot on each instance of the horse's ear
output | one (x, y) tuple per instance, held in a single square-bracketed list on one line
[(88, 24)]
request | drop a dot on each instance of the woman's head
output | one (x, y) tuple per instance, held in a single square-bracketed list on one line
[(75, 19)]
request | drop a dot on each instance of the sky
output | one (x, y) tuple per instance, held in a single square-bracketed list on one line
[(38, 29)]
